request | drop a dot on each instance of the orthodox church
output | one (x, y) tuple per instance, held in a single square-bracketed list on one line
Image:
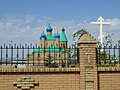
[(57, 40), (52, 47)]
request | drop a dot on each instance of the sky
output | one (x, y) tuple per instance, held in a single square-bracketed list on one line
[(22, 21)]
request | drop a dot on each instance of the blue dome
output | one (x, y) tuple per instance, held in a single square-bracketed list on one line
[(42, 35), (57, 35), (63, 29), (49, 28), (54, 35)]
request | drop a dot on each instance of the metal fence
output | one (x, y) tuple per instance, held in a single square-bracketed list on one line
[(108, 56), (23, 56)]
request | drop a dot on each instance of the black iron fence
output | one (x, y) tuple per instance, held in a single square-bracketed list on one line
[(108, 56), (23, 56)]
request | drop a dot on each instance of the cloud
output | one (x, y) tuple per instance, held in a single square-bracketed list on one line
[(27, 28), (16, 28), (113, 28)]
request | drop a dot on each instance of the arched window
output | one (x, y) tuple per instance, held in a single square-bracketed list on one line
[(46, 45), (64, 46), (61, 45), (56, 45)]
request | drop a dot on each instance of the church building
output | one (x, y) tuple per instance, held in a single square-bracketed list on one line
[(51, 48)]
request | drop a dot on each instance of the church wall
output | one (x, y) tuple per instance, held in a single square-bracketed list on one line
[(63, 44), (44, 56), (50, 42)]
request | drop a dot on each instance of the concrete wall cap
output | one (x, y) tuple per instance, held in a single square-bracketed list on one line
[(86, 38)]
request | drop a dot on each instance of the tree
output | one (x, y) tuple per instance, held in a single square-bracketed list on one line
[(108, 39), (48, 60)]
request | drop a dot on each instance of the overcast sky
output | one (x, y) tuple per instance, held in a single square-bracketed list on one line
[(22, 21)]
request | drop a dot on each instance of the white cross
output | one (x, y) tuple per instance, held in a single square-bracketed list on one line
[(101, 23), (89, 56)]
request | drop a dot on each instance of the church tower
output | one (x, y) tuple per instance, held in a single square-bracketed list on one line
[(42, 40), (57, 36), (63, 39)]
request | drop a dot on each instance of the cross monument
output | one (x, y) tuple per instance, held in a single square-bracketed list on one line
[(101, 23)]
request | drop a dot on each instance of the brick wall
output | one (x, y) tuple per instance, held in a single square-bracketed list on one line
[(109, 78), (59, 79), (109, 81)]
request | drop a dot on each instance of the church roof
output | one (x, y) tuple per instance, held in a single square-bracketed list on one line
[(63, 37), (57, 35), (50, 37), (50, 49)]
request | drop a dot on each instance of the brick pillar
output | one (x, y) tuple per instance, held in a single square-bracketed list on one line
[(88, 69)]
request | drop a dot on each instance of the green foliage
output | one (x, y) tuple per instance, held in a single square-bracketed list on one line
[(108, 40), (104, 56), (106, 65), (48, 60), (101, 56)]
